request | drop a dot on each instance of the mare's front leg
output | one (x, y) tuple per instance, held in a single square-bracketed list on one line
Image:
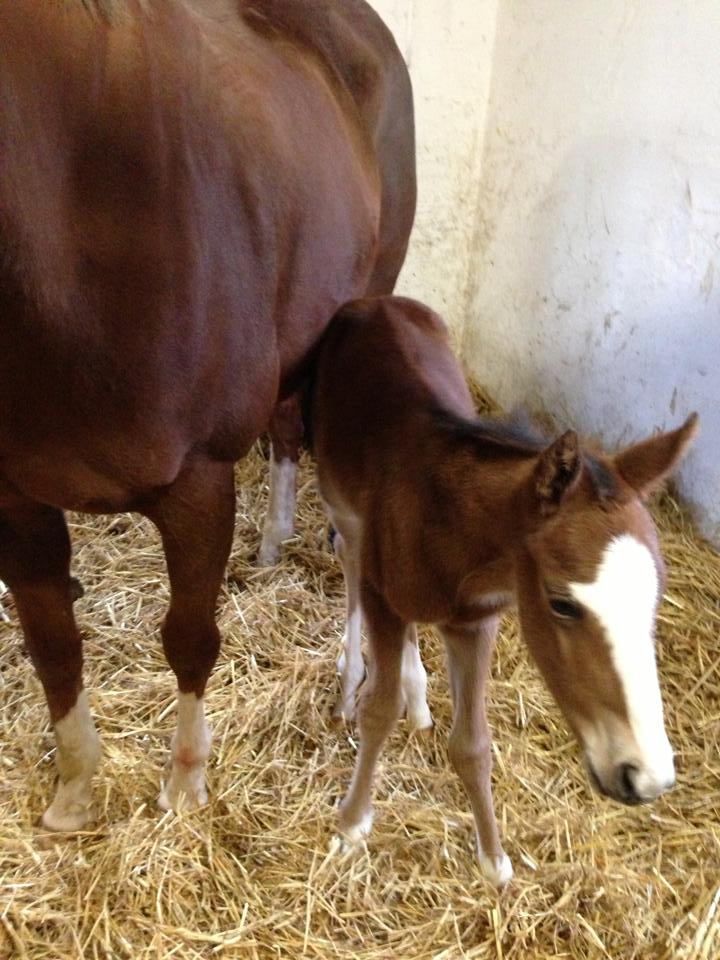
[(469, 653), (35, 564), (195, 517), (286, 430), (379, 709)]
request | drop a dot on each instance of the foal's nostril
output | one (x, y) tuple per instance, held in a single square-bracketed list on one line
[(626, 783)]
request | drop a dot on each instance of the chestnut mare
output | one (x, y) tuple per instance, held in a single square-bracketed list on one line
[(189, 191), (447, 519)]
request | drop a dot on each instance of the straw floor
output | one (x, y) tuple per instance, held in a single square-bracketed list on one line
[(250, 875)]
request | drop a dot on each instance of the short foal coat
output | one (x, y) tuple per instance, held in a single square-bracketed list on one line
[(189, 190), (445, 519)]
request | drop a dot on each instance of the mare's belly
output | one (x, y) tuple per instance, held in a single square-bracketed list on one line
[(90, 479)]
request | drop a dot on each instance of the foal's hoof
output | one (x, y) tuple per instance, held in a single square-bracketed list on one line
[(66, 818), (420, 721), (342, 713), (351, 837), (268, 556), (498, 870), (422, 733)]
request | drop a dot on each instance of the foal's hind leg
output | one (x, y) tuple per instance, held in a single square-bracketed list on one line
[(414, 683), (195, 518), (286, 431), (350, 665), (379, 708), (35, 563)]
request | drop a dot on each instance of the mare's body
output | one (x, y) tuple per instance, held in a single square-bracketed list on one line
[(188, 194)]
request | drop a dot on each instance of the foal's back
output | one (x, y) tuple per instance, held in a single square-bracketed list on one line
[(384, 368)]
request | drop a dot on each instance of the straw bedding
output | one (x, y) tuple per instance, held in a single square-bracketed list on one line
[(250, 875)]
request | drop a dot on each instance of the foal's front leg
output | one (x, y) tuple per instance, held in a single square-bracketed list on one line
[(379, 709), (195, 518), (469, 653), (35, 563)]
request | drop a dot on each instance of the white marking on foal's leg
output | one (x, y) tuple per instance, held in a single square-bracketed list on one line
[(498, 870), (414, 684), (280, 518), (354, 835), (190, 749), (78, 752), (3, 590), (350, 666)]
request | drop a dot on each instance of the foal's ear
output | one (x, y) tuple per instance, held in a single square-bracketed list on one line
[(645, 465), (557, 471)]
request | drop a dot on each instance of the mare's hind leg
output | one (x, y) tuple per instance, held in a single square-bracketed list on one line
[(379, 709), (35, 563), (195, 518), (286, 430)]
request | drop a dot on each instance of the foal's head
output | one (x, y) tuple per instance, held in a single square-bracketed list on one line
[(590, 577)]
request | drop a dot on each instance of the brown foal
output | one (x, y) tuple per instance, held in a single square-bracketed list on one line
[(446, 519)]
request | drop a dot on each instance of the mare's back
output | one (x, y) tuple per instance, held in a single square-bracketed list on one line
[(164, 257)]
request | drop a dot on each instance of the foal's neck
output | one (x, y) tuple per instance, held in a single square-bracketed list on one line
[(486, 483)]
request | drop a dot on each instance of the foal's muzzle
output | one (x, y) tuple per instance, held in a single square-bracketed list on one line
[(629, 784)]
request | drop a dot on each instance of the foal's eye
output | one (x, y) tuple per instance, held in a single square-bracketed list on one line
[(566, 609)]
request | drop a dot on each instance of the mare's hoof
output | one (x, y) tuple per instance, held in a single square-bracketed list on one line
[(182, 796)]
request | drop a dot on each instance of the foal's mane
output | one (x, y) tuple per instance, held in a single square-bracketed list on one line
[(512, 437), (110, 9), (518, 437)]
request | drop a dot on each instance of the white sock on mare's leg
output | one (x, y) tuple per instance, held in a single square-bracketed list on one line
[(189, 752), (78, 752)]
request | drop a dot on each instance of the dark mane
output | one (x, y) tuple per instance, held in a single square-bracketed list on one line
[(518, 437), (602, 478), (514, 436), (109, 10)]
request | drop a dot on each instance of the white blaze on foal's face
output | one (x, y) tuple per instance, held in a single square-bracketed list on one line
[(624, 597)]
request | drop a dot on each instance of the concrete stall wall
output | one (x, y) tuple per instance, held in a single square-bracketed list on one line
[(448, 47), (569, 223)]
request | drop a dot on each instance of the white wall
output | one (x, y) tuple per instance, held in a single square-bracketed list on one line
[(448, 46), (597, 281), (569, 228)]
